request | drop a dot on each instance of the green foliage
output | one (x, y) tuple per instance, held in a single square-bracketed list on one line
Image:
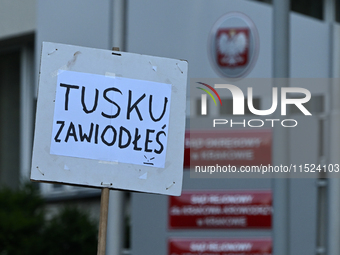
[(24, 230), (70, 232), (21, 221)]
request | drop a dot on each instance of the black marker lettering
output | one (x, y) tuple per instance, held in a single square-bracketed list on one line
[(71, 132), (147, 141), (85, 136), (150, 109), (137, 137), (113, 138), (96, 134), (59, 131), (160, 144), (121, 137), (109, 100), (130, 108), (68, 88), (83, 101)]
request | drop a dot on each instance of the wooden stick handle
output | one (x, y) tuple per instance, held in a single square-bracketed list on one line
[(104, 208)]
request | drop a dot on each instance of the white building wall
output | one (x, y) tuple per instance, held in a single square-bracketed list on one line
[(181, 29), (17, 17), (309, 47)]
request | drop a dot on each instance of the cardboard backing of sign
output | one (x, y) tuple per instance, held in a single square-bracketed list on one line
[(110, 119)]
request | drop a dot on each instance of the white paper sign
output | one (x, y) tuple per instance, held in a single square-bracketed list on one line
[(111, 118)]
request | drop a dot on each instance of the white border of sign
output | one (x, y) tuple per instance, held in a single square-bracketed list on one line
[(47, 167)]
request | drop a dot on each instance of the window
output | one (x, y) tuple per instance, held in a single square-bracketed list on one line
[(337, 10), (313, 8), (16, 109), (10, 117)]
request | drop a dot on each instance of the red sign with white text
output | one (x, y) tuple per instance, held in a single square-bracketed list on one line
[(221, 209), (234, 147), (219, 246)]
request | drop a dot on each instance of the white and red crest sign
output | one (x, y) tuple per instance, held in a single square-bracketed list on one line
[(234, 45)]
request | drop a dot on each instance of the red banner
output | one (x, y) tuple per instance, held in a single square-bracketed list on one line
[(218, 246), (221, 209), (234, 147)]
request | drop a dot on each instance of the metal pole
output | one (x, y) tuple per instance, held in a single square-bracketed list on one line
[(281, 38), (333, 245), (333, 226), (281, 135), (333, 230), (115, 225), (26, 111)]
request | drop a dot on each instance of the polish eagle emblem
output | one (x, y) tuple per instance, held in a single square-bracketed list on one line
[(232, 47)]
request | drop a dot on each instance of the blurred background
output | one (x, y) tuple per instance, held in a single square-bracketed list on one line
[(142, 224)]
